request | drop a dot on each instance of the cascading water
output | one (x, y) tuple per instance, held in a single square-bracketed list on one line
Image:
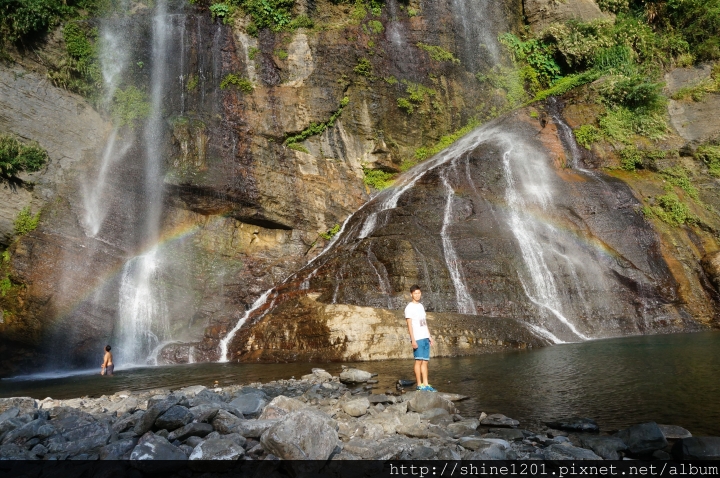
[(465, 302)]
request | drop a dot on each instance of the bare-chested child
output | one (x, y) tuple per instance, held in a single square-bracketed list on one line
[(107, 366)]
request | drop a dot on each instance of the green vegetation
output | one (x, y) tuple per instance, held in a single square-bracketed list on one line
[(252, 52), (377, 178), (424, 153), (710, 155), (130, 106), (242, 84), (417, 95), (412, 12), (79, 71), (671, 210), (391, 80), (29, 20), (373, 27), (438, 53), (298, 147), (317, 128), (511, 82), (586, 135), (192, 83), (281, 54), (678, 176), (632, 158), (330, 232), (5, 286), (364, 68), (699, 91), (17, 157), (25, 221)]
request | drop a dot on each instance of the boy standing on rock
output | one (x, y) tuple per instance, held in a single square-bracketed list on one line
[(419, 337)]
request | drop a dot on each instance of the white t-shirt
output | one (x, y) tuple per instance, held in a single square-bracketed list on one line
[(416, 312)]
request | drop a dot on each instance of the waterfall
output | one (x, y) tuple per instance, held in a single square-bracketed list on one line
[(142, 312), (464, 301), (542, 289)]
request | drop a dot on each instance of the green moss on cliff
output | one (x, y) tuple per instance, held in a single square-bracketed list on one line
[(17, 157), (317, 128)]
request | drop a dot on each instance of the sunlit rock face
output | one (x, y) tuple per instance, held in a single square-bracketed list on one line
[(506, 223), (163, 233)]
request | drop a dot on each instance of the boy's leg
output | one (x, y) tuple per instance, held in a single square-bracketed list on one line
[(424, 372), (418, 375)]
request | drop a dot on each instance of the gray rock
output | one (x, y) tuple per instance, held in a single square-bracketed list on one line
[(127, 405), (249, 404), (499, 420), (9, 413), (24, 405), (39, 450), (475, 443), (281, 406), (357, 407), (119, 450), (643, 439), (218, 449), (154, 454), (575, 425), (13, 423), (437, 416), (193, 441), (306, 434), (253, 428), (204, 397), (604, 446), (191, 429), (448, 454), (424, 401), (321, 374), (485, 449), (11, 451), (422, 453), (568, 452), (380, 398), (173, 418), (36, 428), (225, 422), (661, 455), (417, 430), (509, 434), (204, 413), (354, 375), (697, 448), (679, 78), (128, 421), (147, 420), (192, 390), (672, 432), (187, 449), (695, 121)]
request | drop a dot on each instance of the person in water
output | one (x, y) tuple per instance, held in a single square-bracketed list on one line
[(419, 337), (107, 367)]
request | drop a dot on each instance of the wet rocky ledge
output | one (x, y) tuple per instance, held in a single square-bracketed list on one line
[(319, 417)]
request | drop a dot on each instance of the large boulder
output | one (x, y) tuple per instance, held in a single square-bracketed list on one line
[(155, 454), (605, 446), (306, 434), (225, 422), (499, 420), (643, 439), (249, 404), (354, 375), (424, 401), (281, 406), (218, 449), (147, 420), (356, 407), (674, 432), (175, 417), (697, 448)]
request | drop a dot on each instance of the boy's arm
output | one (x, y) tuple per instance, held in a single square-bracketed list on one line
[(412, 337)]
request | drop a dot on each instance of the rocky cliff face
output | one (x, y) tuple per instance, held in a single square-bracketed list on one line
[(241, 210)]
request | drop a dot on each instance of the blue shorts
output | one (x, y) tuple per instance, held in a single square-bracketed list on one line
[(423, 350)]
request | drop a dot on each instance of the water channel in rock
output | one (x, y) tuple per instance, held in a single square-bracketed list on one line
[(670, 379)]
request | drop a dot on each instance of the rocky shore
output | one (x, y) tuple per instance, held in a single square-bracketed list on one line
[(317, 417)]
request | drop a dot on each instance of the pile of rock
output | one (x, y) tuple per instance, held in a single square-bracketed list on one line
[(317, 417)]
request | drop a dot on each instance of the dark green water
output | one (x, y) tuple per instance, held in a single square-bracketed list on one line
[(670, 379)]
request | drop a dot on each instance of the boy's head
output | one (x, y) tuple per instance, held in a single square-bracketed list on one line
[(107, 348), (415, 292)]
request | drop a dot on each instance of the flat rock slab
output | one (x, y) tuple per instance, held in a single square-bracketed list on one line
[(568, 452), (499, 420), (218, 449), (453, 397), (254, 428), (422, 401), (354, 375), (673, 432), (249, 404), (191, 430), (381, 398), (575, 425), (643, 439)]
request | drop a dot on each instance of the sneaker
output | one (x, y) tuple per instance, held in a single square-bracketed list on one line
[(429, 388), (420, 387)]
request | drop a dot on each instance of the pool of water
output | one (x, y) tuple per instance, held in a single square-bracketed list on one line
[(670, 379)]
